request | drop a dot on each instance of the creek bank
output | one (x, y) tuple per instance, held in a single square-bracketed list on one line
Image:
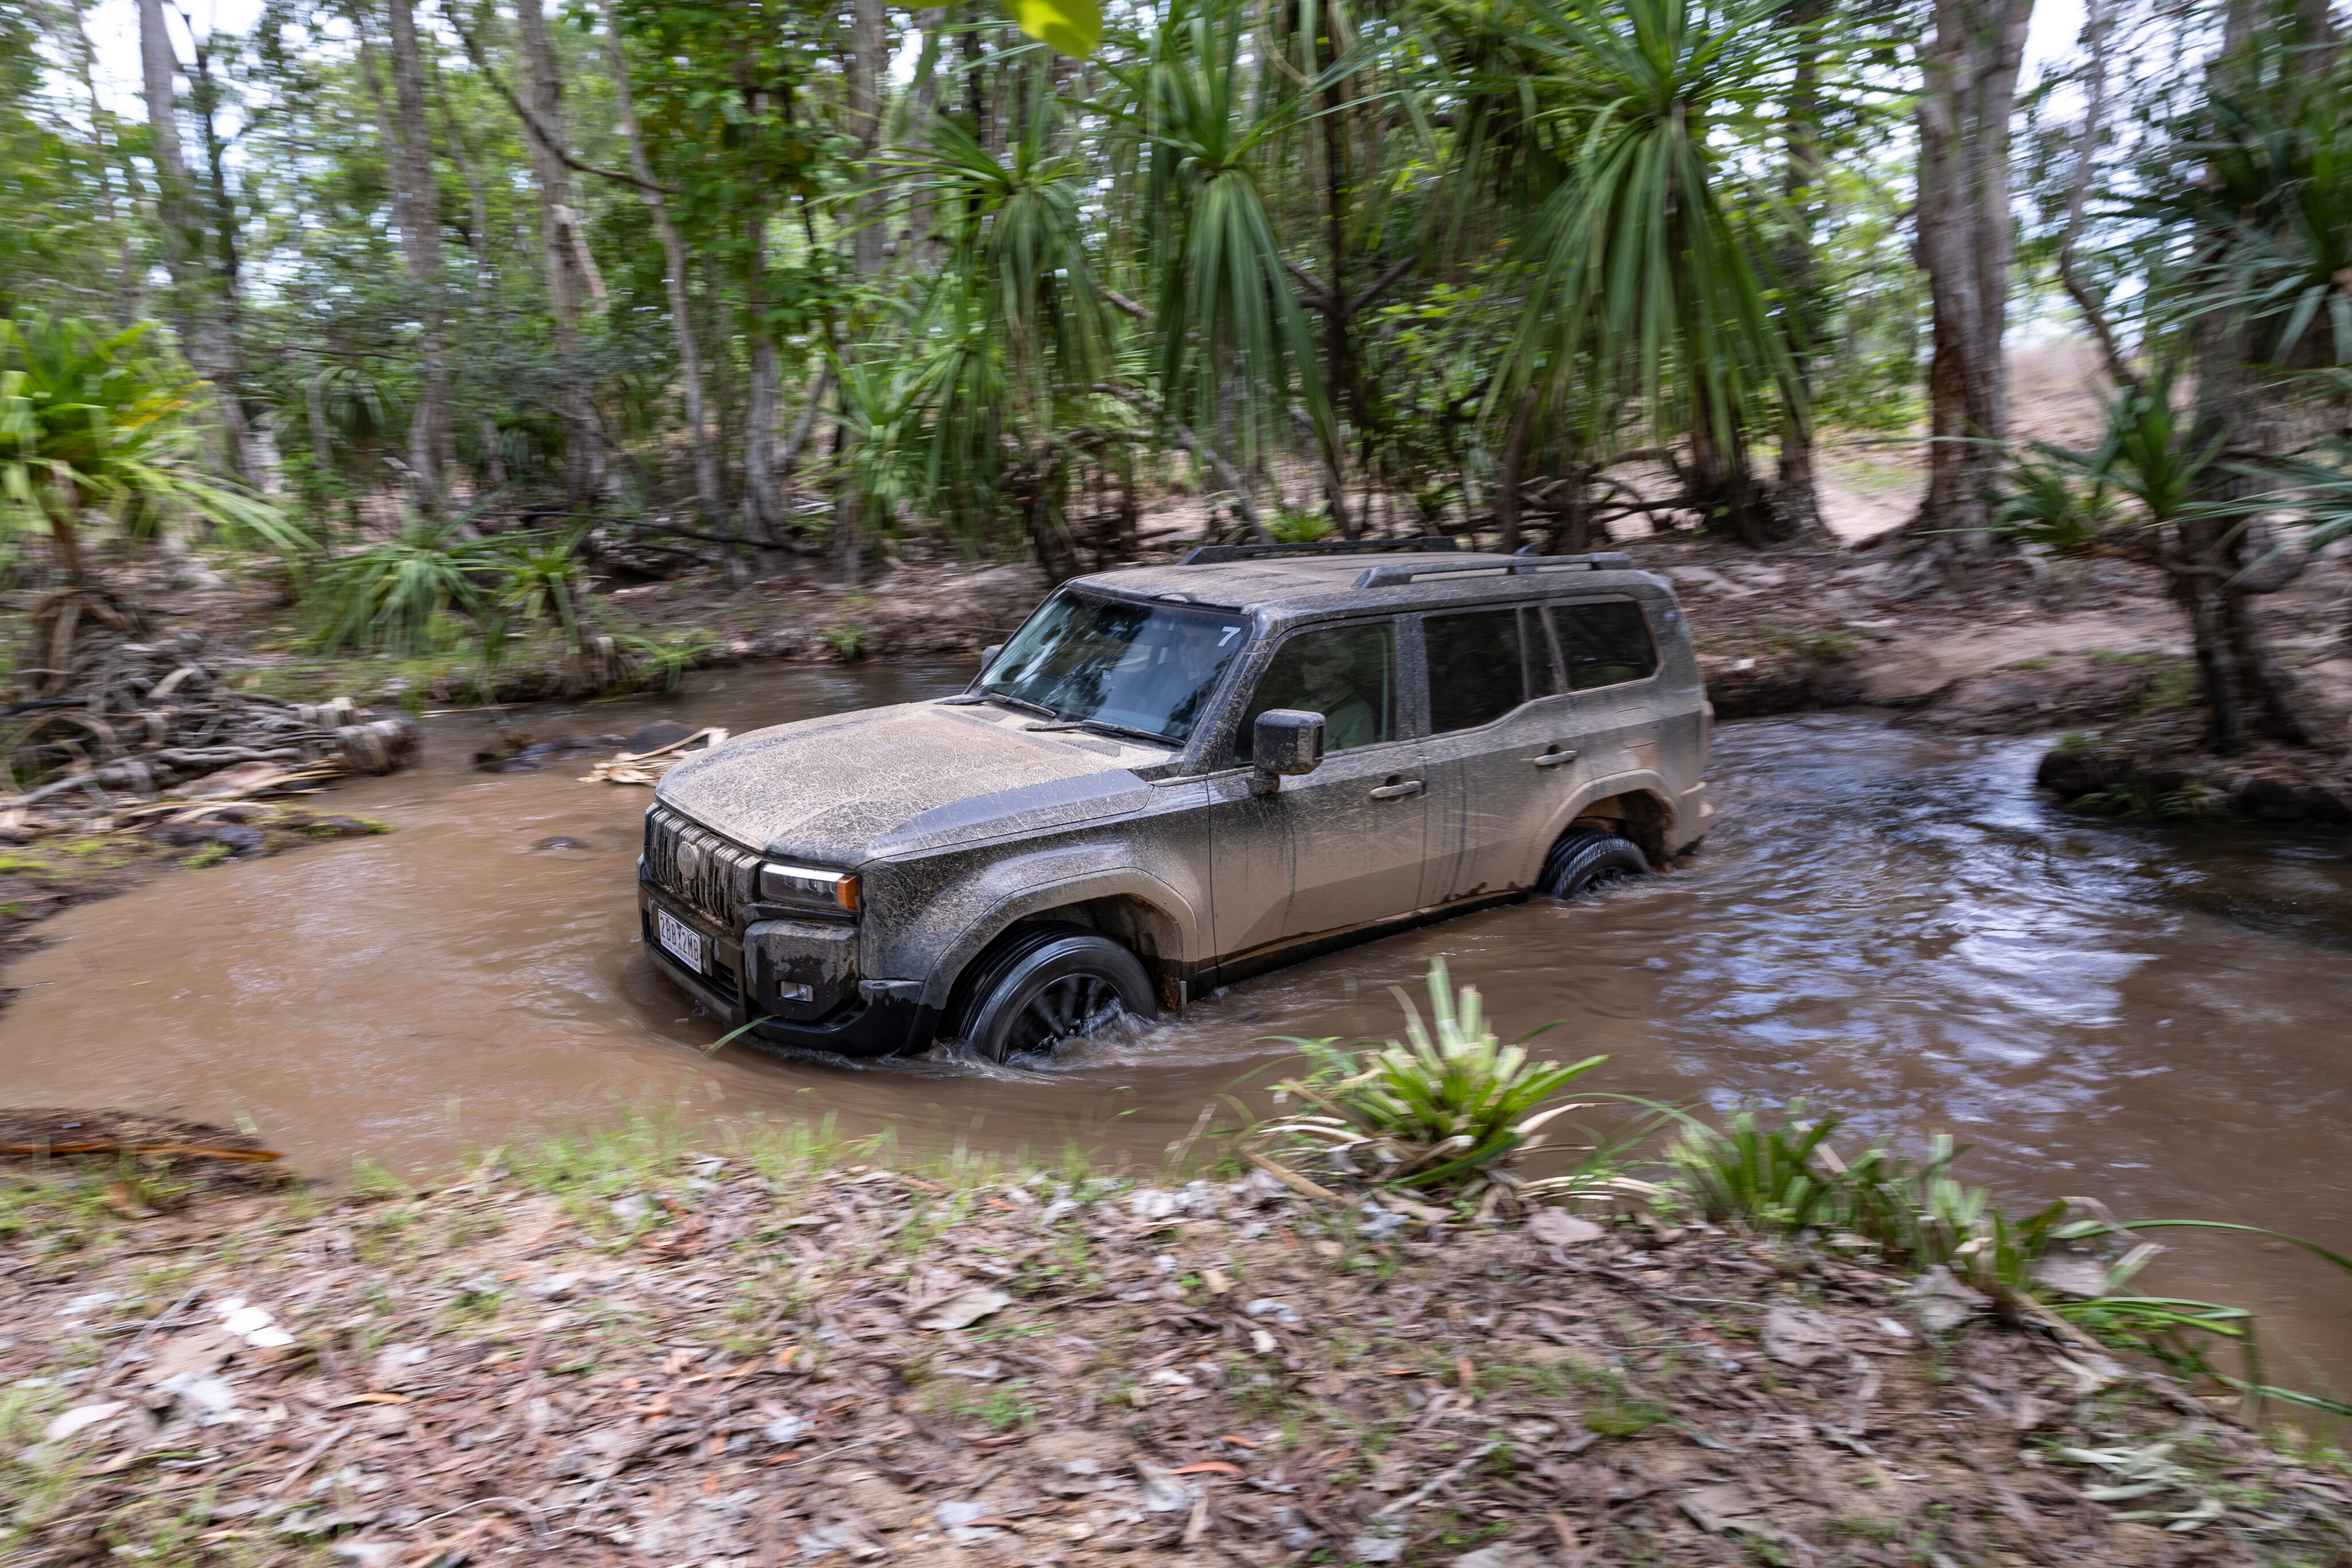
[(2162, 775), (625, 1351)]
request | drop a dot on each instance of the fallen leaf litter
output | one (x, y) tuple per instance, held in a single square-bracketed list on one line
[(853, 1366)]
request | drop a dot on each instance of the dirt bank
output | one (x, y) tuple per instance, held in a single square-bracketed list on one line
[(623, 1353)]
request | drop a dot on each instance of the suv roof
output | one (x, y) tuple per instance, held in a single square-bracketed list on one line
[(1308, 578)]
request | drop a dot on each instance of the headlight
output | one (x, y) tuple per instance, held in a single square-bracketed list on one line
[(806, 885)]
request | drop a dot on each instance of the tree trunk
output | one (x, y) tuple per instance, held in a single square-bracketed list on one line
[(1797, 500), (1971, 65), (217, 317), (417, 207), (762, 506), (562, 249), (710, 494), (2252, 407), (870, 44), (1339, 373), (918, 247), (1507, 500), (201, 304), (158, 68)]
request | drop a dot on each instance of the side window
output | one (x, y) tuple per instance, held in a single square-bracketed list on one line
[(1482, 664), (1605, 644), (1347, 674)]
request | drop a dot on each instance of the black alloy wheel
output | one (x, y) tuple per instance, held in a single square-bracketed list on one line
[(1587, 857), (1047, 984)]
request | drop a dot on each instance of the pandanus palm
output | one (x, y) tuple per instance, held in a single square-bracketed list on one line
[(93, 420), (1650, 285), (1231, 335)]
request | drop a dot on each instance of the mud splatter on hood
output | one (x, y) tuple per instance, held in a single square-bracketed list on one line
[(856, 787)]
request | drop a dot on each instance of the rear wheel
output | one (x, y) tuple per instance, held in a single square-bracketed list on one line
[(1049, 983), (1587, 857)]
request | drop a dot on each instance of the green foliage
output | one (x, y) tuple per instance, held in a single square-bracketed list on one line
[(1652, 284), (391, 596), (96, 420), (1228, 321), (2043, 503), (1450, 1108), (1072, 27)]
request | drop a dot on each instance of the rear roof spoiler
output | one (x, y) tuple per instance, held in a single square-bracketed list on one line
[(1394, 572)]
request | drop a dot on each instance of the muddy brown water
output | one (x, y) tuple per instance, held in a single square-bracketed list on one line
[(1886, 921)]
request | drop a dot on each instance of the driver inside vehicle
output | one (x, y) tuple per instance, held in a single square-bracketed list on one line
[(1343, 673)]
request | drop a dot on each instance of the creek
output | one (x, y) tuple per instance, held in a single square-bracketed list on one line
[(1886, 922)]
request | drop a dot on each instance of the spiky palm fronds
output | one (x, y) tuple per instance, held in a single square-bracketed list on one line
[(93, 420), (1447, 1107)]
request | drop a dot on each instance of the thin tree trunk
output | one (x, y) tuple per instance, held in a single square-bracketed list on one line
[(1799, 499), (869, 43), (158, 66), (918, 247), (2097, 24), (477, 246), (1965, 226), (1514, 460), (431, 446), (709, 491), (567, 283), (217, 317), (198, 302), (1339, 374), (763, 507)]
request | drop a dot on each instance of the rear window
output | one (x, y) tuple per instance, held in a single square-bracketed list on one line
[(1605, 642), (1482, 664)]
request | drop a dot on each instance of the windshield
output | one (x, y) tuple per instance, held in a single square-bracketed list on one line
[(1149, 667)]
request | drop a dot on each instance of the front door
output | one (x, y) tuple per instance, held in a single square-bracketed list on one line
[(1337, 848)]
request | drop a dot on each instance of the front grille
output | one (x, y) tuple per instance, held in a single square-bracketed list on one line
[(689, 862)]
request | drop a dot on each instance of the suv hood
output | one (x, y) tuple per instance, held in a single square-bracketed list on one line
[(854, 786)]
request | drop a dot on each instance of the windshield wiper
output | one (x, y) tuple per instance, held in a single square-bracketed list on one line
[(1022, 704), (1101, 724)]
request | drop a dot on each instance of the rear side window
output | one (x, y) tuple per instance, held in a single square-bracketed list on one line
[(1347, 674), (1482, 664), (1605, 644)]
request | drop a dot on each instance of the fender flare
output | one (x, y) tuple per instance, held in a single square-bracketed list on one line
[(994, 921), (1638, 781)]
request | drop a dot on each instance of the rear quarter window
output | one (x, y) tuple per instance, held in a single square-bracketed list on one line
[(1603, 643)]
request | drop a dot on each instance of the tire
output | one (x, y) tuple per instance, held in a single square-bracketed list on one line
[(1047, 984), (1587, 857)]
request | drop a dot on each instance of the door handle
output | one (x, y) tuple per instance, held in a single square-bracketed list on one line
[(1397, 791), (1553, 758)]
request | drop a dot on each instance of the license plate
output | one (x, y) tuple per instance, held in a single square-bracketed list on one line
[(684, 941)]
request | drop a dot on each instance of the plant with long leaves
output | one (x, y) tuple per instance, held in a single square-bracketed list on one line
[(1233, 339), (393, 595), (93, 420), (1649, 286), (1449, 1108), (999, 357)]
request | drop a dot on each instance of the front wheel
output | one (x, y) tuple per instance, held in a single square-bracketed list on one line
[(1049, 983), (1586, 858)]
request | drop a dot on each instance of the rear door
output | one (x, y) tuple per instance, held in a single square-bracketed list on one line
[(1503, 752), (1341, 846)]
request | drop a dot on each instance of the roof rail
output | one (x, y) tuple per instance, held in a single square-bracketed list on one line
[(1209, 555), (1517, 566)]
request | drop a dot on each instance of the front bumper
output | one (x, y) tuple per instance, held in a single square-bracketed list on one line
[(849, 1023)]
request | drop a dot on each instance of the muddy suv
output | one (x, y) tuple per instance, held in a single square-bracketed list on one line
[(1174, 777)]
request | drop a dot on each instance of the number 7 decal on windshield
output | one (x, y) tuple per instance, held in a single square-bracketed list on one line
[(1231, 632)]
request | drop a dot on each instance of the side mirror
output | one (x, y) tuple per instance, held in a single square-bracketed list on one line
[(988, 656), (1285, 740)]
